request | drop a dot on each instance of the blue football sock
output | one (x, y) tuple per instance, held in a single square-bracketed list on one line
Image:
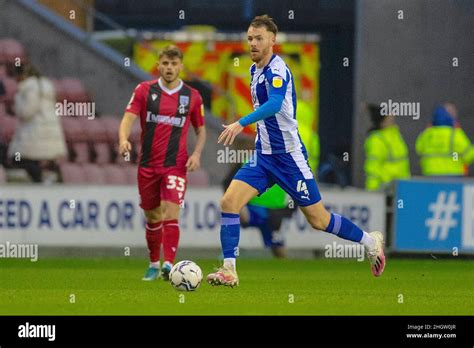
[(230, 234), (344, 228)]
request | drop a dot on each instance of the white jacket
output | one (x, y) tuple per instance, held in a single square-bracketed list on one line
[(39, 135)]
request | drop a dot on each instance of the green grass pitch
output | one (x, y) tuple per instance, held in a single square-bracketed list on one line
[(267, 287)]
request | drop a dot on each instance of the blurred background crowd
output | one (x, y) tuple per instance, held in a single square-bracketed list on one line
[(95, 52)]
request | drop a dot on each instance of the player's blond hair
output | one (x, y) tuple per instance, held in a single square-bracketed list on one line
[(264, 21), (171, 51)]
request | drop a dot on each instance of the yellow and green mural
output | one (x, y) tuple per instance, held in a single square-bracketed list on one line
[(225, 65)]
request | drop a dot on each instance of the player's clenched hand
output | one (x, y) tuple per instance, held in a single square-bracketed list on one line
[(194, 162), (125, 147), (229, 133)]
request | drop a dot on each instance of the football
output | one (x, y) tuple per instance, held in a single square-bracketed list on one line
[(186, 276)]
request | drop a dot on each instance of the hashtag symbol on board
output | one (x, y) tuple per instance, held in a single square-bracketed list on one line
[(442, 215)]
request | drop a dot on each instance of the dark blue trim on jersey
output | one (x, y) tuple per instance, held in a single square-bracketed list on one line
[(275, 134), (252, 71), (293, 93), (258, 143), (303, 147), (275, 137), (273, 57), (261, 90)]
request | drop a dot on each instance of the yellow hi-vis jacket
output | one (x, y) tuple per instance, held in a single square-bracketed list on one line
[(386, 158), (444, 150), (308, 135), (311, 141)]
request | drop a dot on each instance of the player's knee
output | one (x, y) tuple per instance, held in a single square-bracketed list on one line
[(153, 215), (170, 211), (228, 204)]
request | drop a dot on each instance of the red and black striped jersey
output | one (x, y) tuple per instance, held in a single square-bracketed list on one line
[(165, 116)]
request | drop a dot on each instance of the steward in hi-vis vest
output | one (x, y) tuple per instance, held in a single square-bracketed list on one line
[(386, 153), (444, 150)]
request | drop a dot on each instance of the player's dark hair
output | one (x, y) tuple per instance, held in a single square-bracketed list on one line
[(171, 51), (264, 21)]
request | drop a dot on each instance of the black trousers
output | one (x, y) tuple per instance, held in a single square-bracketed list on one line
[(32, 167)]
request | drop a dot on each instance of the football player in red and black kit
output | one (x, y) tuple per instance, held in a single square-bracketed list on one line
[(166, 107)]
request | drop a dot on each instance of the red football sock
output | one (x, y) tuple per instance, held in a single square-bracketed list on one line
[(153, 239), (170, 239)]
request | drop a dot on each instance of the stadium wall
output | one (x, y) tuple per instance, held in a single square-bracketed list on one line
[(434, 216), (411, 60), (59, 49), (99, 216)]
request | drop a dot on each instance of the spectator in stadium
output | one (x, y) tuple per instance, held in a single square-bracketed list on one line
[(453, 111), (444, 149), (166, 108), (386, 153), (38, 136)]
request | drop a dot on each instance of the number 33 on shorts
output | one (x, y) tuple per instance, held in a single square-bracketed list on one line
[(176, 182), (176, 187)]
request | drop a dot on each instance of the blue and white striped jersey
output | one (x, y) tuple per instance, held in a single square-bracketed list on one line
[(279, 132)]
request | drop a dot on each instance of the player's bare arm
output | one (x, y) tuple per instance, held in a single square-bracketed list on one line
[(124, 132), (194, 161), (229, 133)]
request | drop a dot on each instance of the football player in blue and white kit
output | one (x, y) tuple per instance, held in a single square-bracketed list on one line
[(281, 158)]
